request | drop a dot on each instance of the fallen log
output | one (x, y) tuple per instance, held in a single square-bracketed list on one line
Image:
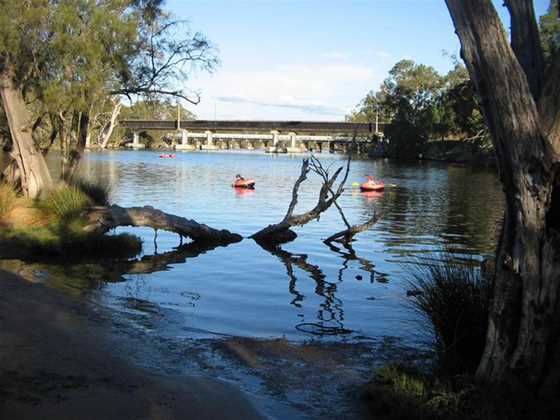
[(103, 219)]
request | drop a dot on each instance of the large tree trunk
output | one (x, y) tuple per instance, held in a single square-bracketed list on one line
[(76, 153), (107, 131), (35, 176), (523, 332)]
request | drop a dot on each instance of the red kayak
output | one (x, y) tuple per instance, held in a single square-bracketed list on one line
[(372, 185), (167, 156), (244, 183)]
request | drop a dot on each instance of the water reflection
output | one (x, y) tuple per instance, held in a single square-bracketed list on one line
[(241, 289), (349, 254), (330, 315)]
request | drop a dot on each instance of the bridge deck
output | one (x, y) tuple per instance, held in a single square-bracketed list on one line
[(235, 125)]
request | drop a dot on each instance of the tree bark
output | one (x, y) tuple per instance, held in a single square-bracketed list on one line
[(104, 219), (107, 131), (34, 173), (523, 328), (75, 153)]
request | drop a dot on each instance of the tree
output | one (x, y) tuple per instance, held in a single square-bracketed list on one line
[(549, 26), (419, 105), (521, 104), (61, 61)]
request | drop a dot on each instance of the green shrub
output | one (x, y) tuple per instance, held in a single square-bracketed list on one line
[(8, 197), (454, 297), (65, 201), (66, 241), (98, 191)]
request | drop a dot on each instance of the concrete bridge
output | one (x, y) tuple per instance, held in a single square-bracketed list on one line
[(273, 136)]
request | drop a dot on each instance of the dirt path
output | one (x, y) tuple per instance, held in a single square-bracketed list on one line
[(55, 363)]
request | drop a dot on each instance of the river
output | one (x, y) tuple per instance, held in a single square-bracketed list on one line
[(307, 290)]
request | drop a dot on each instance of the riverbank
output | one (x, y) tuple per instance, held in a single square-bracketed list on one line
[(57, 363), (472, 153), (62, 355)]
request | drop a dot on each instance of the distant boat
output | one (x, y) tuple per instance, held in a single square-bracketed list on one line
[(244, 183), (167, 156), (372, 185)]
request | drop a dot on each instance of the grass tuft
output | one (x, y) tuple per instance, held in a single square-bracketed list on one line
[(98, 191), (454, 297), (65, 201), (8, 197)]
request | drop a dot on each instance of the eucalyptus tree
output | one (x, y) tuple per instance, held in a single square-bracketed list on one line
[(23, 30), (520, 98), (62, 60)]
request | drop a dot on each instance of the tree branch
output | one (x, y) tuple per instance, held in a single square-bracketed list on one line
[(549, 104), (280, 232), (103, 219), (526, 43)]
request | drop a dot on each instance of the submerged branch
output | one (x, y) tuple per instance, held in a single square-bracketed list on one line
[(346, 236)]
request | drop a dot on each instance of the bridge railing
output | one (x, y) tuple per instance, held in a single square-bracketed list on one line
[(254, 126)]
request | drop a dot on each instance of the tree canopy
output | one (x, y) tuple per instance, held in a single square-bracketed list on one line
[(420, 104), (71, 60)]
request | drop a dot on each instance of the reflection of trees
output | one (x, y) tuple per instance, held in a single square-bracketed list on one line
[(349, 254), (82, 277), (330, 315), (475, 207)]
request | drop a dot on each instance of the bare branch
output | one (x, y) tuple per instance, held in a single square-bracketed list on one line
[(302, 177), (526, 43), (281, 232), (103, 219), (346, 236)]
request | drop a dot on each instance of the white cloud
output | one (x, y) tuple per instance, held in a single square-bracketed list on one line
[(289, 91)]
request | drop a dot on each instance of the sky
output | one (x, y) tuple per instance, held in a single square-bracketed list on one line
[(312, 60)]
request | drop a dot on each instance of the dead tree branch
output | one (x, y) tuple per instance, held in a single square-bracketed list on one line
[(347, 235), (280, 232), (103, 219)]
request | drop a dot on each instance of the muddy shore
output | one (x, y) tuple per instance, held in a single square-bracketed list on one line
[(65, 357), (55, 362)]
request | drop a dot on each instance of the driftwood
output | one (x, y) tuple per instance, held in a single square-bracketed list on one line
[(280, 232), (103, 219)]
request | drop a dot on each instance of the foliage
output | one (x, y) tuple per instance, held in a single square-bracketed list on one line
[(71, 59), (549, 25), (419, 104), (454, 297), (66, 240), (64, 201), (156, 109), (97, 191), (8, 197), (403, 392)]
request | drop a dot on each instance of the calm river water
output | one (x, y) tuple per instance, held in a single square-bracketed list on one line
[(307, 290)]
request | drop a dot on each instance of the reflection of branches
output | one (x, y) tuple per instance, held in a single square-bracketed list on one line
[(160, 262), (351, 256), (331, 310)]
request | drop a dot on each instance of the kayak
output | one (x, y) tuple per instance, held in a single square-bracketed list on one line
[(244, 183), (372, 186), (167, 156)]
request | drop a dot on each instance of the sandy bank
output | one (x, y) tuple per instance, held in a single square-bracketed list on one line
[(55, 363)]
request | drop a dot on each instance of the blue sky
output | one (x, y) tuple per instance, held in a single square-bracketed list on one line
[(311, 59)]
